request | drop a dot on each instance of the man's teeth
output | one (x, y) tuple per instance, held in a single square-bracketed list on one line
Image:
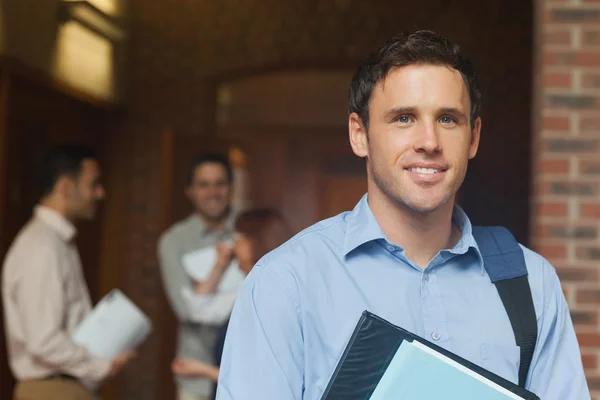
[(425, 170)]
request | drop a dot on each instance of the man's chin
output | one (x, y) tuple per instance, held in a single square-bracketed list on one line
[(426, 204), (214, 215)]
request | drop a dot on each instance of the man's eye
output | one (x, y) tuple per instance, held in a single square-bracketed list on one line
[(447, 120), (404, 119)]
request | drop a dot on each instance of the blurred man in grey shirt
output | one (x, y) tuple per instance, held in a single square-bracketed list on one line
[(209, 188)]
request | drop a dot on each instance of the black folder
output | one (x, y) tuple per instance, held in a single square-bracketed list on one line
[(371, 349)]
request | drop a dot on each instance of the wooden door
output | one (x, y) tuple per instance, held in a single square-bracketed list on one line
[(308, 174), (340, 192), (323, 178)]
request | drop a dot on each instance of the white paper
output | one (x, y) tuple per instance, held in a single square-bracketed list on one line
[(114, 326), (209, 309), (199, 264)]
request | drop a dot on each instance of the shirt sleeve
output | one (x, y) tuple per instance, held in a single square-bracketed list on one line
[(41, 303), (174, 277), (556, 371), (263, 356)]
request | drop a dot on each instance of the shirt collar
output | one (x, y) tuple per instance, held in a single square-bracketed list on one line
[(362, 227), (467, 240), (57, 222)]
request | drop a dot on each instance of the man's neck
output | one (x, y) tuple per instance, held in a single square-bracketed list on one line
[(421, 236), (213, 224), (57, 206)]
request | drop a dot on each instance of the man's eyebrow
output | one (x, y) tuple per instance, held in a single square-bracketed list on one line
[(453, 110), (399, 110)]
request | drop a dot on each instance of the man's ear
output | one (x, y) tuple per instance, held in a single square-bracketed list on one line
[(358, 136), (64, 185), (475, 136)]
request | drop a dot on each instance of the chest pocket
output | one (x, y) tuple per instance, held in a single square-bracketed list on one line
[(502, 360)]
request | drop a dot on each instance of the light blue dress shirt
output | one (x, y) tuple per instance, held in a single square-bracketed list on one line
[(300, 304)]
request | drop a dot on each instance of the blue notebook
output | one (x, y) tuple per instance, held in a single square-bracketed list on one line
[(372, 350), (420, 373)]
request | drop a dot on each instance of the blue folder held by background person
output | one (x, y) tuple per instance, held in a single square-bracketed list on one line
[(385, 362)]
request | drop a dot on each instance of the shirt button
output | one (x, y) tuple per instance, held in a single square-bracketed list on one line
[(426, 277), (436, 336), (391, 248)]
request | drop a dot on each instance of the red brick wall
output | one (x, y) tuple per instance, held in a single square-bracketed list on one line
[(566, 216), (180, 48)]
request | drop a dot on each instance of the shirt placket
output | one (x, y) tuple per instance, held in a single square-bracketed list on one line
[(434, 313)]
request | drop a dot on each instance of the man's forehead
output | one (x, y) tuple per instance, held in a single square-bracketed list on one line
[(210, 178), (210, 170), (89, 165)]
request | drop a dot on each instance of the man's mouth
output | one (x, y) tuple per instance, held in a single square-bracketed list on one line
[(425, 170)]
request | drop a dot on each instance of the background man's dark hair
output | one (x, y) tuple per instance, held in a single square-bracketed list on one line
[(64, 160), (209, 158), (419, 47)]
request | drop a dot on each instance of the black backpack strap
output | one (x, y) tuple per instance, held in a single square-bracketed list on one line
[(504, 262)]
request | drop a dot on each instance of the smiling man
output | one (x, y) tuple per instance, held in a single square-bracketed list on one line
[(209, 189), (406, 252)]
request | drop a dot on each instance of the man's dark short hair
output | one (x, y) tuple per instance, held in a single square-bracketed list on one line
[(63, 160), (419, 47), (206, 158)]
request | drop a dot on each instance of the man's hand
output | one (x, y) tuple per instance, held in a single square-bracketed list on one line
[(224, 258), (120, 361), (194, 369)]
